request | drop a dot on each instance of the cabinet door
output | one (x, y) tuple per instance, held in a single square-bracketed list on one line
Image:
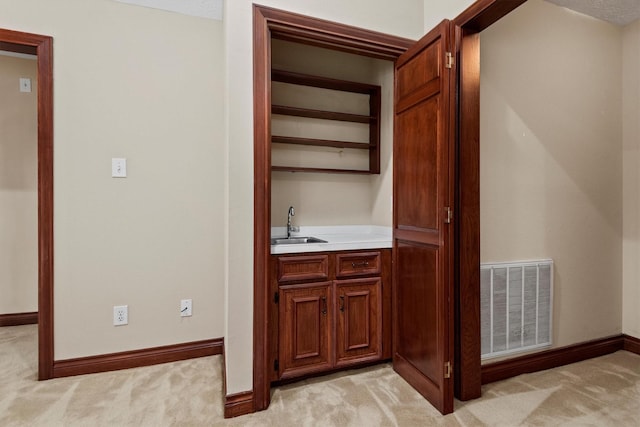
[(359, 320), (305, 329)]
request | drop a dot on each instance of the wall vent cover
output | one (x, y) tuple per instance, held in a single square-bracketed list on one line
[(516, 306)]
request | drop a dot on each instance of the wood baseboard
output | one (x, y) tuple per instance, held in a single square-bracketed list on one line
[(238, 404), (18, 319), (631, 344), (553, 358), (137, 358)]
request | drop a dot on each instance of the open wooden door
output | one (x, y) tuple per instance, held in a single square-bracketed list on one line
[(424, 161)]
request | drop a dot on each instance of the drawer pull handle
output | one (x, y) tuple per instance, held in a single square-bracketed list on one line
[(342, 303), (324, 306), (360, 264)]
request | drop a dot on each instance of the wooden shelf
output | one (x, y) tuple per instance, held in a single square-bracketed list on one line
[(320, 142), (320, 114), (319, 170), (372, 120), (322, 82)]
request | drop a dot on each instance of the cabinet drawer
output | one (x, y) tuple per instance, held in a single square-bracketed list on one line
[(306, 267), (357, 264)]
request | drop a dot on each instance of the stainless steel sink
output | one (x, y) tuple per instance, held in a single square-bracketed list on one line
[(296, 240)]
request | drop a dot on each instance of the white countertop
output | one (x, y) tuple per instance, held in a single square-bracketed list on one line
[(339, 238)]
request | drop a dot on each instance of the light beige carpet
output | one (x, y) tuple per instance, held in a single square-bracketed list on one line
[(598, 392)]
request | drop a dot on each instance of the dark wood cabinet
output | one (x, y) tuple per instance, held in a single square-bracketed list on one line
[(330, 310)]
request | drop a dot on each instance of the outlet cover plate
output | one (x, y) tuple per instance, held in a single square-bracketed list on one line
[(120, 315)]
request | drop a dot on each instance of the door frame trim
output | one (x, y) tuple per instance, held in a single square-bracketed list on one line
[(42, 46), (469, 24)]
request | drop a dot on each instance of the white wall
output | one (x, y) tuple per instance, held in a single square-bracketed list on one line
[(551, 159), (399, 18), (146, 85), (631, 186), (18, 187)]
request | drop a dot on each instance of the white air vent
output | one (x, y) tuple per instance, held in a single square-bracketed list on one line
[(515, 307)]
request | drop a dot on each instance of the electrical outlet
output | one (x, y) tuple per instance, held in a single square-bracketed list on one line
[(186, 308), (120, 315)]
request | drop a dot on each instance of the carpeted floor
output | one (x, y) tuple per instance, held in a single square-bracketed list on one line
[(598, 392)]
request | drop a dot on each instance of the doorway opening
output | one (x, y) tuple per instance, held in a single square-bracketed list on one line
[(18, 190), (42, 47), (287, 27)]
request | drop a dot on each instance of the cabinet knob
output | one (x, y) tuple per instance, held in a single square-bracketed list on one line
[(342, 303), (324, 306)]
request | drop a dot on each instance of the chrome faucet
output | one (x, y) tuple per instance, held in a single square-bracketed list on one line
[(291, 213)]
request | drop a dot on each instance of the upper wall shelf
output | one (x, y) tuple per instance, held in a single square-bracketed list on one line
[(372, 120)]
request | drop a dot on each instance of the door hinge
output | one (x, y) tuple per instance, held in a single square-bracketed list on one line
[(447, 370), (450, 61), (276, 365), (276, 297), (448, 215)]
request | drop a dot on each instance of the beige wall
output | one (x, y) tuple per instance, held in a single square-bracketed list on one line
[(436, 11), (18, 187), (382, 184), (146, 85), (330, 199), (631, 185), (403, 18), (551, 159)]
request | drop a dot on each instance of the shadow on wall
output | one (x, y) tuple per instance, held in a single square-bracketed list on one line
[(551, 159)]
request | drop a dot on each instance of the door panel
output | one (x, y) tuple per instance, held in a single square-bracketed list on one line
[(423, 237), (417, 183), (420, 71), (417, 308)]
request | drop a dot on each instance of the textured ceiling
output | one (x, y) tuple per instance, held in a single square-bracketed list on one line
[(211, 9), (619, 12)]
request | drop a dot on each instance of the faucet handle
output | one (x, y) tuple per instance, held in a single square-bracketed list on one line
[(292, 211)]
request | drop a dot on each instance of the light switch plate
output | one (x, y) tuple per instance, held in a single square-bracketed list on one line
[(118, 168), (186, 308)]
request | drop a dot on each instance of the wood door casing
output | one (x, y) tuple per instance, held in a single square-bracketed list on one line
[(42, 47), (423, 237), (305, 329), (358, 320)]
